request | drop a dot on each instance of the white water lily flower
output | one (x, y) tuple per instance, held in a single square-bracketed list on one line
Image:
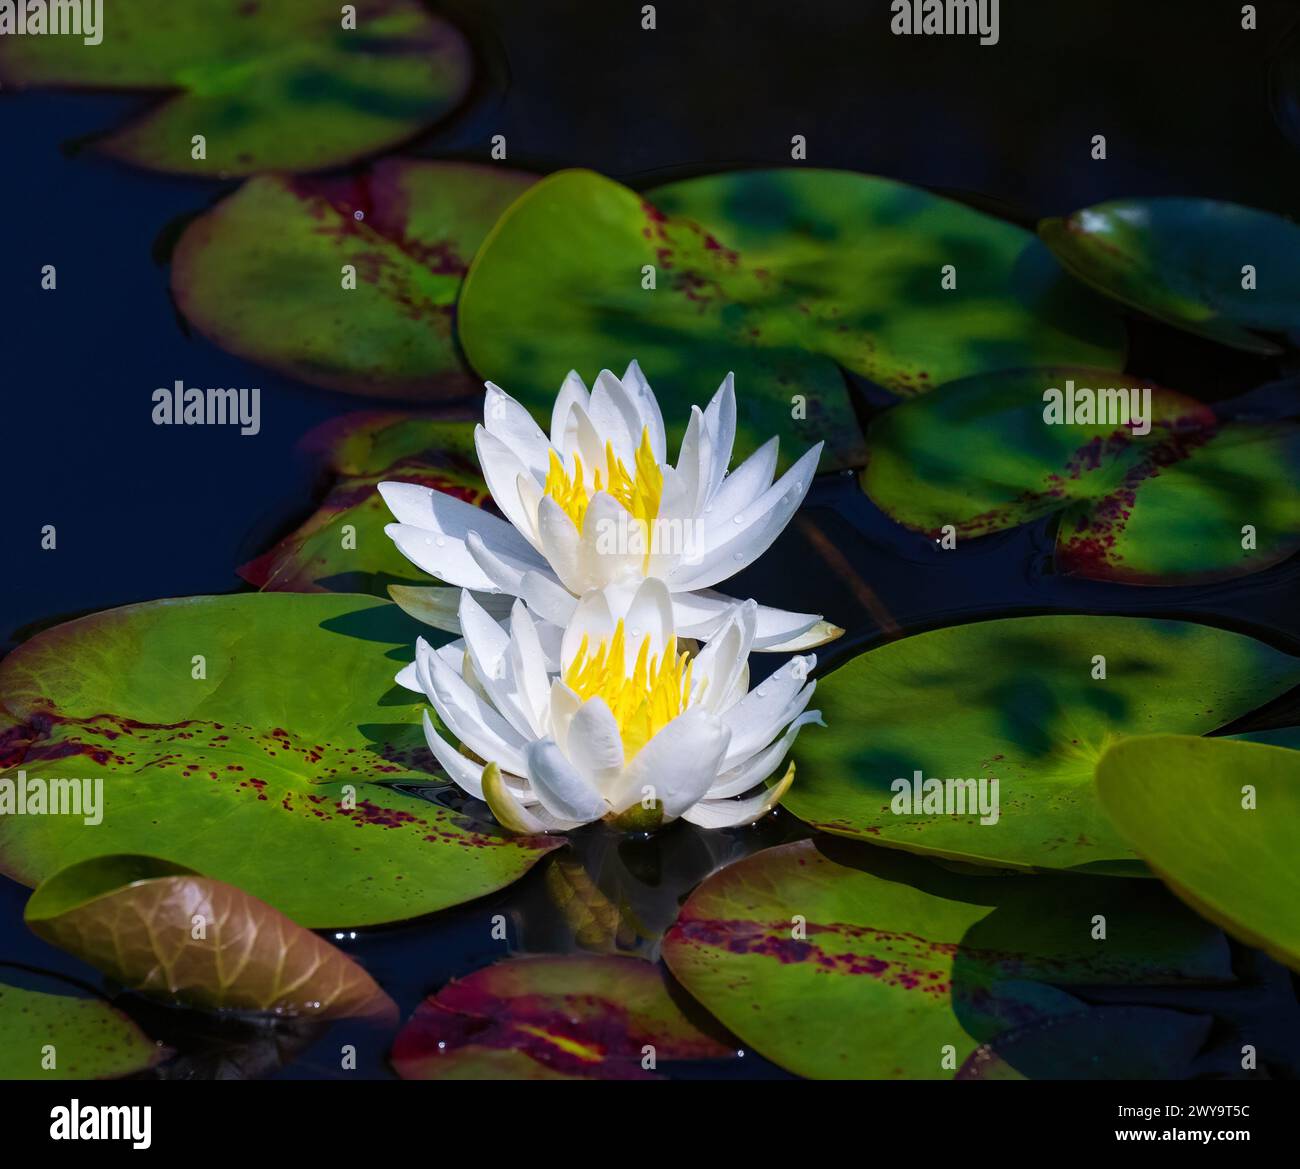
[(596, 505), (629, 729)]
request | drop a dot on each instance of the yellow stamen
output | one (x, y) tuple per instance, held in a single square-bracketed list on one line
[(657, 691), (640, 493)]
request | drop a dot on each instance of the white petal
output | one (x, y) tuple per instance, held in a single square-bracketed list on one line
[(546, 597), (464, 772), (649, 615), (702, 613), (409, 677), (560, 787), (594, 745), (678, 765), (652, 418), (501, 469), (438, 605), (738, 813), (771, 513), (528, 666), (720, 419), (743, 486), (615, 416), (488, 647), (441, 514), (758, 767), (613, 548), (512, 815), (511, 422), (591, 620), (474, 721), (562, 545), (563, 430), (757, 718)]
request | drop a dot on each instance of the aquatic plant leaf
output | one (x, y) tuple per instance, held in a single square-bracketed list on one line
[(780, 276), (1183, 261), (1219, 822), (863, 260), (1102, 1043), (1021, 700), (166, 931), (280, 85), (835, 960), (91, 1040), (551, 1018), (348, 283), (261, 772), (342, 547), (1167, 507)]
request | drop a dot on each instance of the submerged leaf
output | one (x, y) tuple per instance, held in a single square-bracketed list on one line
[(164, 930), (839, 961), (550, 1018)]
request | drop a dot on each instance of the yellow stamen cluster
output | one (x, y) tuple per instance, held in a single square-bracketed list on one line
[(657, 691), (639, 493)]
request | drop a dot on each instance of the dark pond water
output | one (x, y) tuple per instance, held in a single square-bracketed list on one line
[(145, 512)]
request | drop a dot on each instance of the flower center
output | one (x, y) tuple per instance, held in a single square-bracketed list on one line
[(657, 691), (639, 493)]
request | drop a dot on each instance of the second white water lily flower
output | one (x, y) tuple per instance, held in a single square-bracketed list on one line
[(630, 730), (596, 505)]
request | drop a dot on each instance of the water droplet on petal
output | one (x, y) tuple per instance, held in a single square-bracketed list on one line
[(738, 519), (738, 556), (761, 692), (440, 542)]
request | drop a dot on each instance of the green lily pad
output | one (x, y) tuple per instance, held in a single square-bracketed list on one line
[(342, 547), (552, 1018), (91, 1040), (270, 86), (839, 961), (1219, 821), (164, 930), (1182, 260), (782, 276), (1103, 1043), (262, 273), (1193, 500), (1016, 700), (262, 773)]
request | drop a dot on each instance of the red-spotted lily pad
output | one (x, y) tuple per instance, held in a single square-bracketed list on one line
[(342, 546), (288, 85), (845, 962), (1150, 488), (1104, 1043), (919, 731), (164, 930), (1219, 821), (786, 277), (1216, 269), (59, 1037), (553, 1018), (246, 736), (348, 283)]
